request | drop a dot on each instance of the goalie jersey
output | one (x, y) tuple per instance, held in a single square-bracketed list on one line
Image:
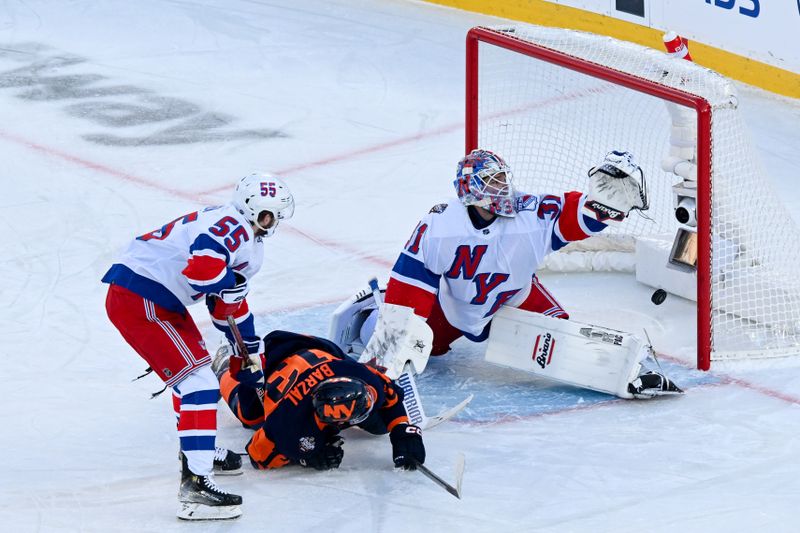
[(474, 271), (190, 257)]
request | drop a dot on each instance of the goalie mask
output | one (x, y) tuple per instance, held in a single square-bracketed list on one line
[(483, 179), (261, 192), (343, 400)]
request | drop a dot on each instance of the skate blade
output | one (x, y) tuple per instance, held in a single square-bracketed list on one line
[(198, 511), (220, 472)]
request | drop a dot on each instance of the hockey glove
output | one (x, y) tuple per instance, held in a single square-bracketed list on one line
[(327, 456), (617, 186), (247, 368), (407, 446), (228, 301)]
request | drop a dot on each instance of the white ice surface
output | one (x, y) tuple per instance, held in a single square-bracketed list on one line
[(368, 96)]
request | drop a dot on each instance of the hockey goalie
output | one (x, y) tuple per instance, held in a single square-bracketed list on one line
[(469, 269)]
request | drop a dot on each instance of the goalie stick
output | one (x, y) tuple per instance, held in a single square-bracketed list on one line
[(411, 398), (454, 490)]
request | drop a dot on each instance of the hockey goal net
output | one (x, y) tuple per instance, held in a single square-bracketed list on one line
[(552, 102)]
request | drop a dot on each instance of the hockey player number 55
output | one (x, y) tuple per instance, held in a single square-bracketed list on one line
[(226, 225), (236, 234), (268, 188)]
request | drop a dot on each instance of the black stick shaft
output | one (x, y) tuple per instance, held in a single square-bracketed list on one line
[(237, 336), (439, 481)]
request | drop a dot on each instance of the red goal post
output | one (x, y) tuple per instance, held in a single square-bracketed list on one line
[(544, 101)]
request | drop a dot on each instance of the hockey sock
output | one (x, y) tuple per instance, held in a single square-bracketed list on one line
[(197, 420)]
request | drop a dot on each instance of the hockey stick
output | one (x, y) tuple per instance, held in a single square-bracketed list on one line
[(413, 404), (241, 346), (455, 491), (411, 398)]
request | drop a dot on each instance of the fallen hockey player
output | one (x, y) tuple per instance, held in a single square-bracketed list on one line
[(303, 393), (469, 269)]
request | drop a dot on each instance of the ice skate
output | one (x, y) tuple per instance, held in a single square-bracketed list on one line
[(651, 384), (227, 462), (201, 499)]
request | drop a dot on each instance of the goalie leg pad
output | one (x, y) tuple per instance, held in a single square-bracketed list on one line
[(583, 355), (348, 320)]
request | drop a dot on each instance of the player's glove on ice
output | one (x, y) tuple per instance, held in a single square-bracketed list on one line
[(407, 446), (327, 456)]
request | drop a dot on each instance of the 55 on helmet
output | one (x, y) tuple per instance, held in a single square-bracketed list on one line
[(261, 192)]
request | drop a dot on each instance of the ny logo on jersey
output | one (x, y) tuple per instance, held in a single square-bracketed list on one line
[(465, 265)]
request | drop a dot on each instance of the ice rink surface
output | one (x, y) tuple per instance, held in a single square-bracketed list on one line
[(118, 116)]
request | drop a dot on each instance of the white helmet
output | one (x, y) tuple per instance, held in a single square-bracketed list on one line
[(260, 192)]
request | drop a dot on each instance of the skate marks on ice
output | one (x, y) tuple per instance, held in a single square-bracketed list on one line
[(40, 73)]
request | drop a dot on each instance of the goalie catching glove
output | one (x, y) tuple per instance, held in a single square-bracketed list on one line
[(617, 187)]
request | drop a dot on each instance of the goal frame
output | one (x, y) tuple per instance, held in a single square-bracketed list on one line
[(702, 107)]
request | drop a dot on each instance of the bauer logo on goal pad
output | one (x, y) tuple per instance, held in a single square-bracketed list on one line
[(543, 349)]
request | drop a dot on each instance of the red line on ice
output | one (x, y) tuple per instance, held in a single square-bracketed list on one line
[(97, 167)]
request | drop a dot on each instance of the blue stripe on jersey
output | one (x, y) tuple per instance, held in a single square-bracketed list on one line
[(481, 337), (201, 397), (205, 242), (555, 242), (595, 226), (194, 443), (148, 289), (228, 281), (410, 267)]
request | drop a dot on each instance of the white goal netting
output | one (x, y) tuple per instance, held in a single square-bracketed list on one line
[(552, 123)]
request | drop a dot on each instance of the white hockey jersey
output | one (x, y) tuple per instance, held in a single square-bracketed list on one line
[(474, 271), (190, 257)]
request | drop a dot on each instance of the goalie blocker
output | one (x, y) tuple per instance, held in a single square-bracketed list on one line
[(583, 355), (392, 338)]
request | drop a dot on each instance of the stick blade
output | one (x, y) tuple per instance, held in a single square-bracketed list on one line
[(435, 420), (460, 464)]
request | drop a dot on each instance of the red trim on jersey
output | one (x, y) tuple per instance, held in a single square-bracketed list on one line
[(541, 301), (568, 222), (400, 293), (206, 419), (203, 268)]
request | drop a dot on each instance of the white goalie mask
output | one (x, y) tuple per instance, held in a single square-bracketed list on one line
[(484, 179), (260, 192)]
